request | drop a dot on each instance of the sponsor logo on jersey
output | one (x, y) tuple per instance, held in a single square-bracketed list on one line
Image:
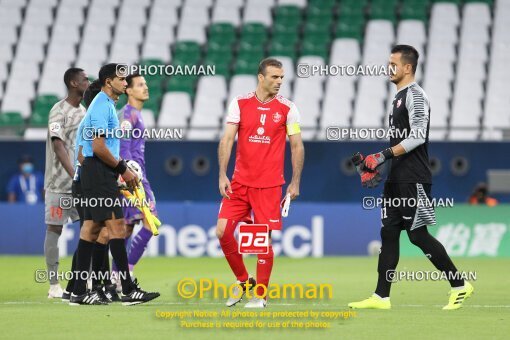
[(277, 117), (260, 131), (399, 102), (259, 139), (263, 108)]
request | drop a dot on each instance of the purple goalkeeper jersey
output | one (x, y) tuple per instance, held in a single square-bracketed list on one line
[(134, 148)]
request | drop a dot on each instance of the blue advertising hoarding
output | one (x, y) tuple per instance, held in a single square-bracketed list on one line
[(312, 229)]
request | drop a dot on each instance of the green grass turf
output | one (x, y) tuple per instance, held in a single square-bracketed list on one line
[(25, 312)]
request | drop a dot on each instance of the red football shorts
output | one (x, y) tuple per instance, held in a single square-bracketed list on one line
[(265, 203)]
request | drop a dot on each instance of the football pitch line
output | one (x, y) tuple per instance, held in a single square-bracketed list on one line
[(222, 304)]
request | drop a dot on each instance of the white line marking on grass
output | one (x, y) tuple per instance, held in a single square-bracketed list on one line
[(22, 303), (468, 305), (222, 304)]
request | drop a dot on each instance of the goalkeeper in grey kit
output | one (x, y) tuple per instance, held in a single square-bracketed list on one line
[(409, 180)]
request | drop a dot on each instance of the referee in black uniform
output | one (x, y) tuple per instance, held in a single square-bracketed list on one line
[(100, 170), (100, 253), (409, 183)]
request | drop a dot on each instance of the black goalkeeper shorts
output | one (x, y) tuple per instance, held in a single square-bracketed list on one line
[(100, 190), (407, 206)]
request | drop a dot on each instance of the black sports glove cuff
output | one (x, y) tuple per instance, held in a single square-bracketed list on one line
[(121, 167), (388, 153), (357, 159)]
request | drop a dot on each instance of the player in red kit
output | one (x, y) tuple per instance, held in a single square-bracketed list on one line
[(262, 120)]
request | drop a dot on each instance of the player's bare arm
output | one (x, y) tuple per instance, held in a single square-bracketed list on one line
[(62, 155), (80, 155), (418, 122), (373, 161), (298, 158), (398, 150), (101, 151), (224, 151)]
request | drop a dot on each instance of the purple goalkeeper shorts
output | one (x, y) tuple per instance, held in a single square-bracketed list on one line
[(132, 215)]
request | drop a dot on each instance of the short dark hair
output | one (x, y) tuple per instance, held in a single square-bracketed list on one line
[(409, 55), (70, 75), (268, 62), (130, 78), (91, 92), (107, 71), (25, 159)]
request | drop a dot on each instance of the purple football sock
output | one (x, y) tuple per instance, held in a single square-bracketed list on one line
[(138, 245)]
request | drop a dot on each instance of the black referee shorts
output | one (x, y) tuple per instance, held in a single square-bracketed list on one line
[(407, 206), (78, 194), (99, 186)]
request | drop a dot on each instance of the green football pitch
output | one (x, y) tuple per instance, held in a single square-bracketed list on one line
[(416, 313)]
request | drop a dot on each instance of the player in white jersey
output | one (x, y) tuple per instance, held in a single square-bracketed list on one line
[(64, 118)]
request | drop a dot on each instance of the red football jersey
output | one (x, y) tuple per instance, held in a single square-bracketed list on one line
[(263, 129)]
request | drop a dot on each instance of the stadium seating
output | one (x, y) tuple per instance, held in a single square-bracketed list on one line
[(175, 110), (464, 50)]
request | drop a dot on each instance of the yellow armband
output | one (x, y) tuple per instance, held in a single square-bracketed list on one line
[(293, 129)]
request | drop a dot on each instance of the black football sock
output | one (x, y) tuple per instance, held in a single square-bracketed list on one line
[(70, 283), (106, 266), (83, 259), (388, 260), (97, 263), (120, 256), (436, 253)]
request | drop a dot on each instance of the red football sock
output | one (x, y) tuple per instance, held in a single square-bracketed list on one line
[(229, 246), (264, 268)]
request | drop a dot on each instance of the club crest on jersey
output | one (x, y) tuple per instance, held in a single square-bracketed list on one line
[(126, 125), (277, 117), (399, 102), (55, 127), (260, 131)]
